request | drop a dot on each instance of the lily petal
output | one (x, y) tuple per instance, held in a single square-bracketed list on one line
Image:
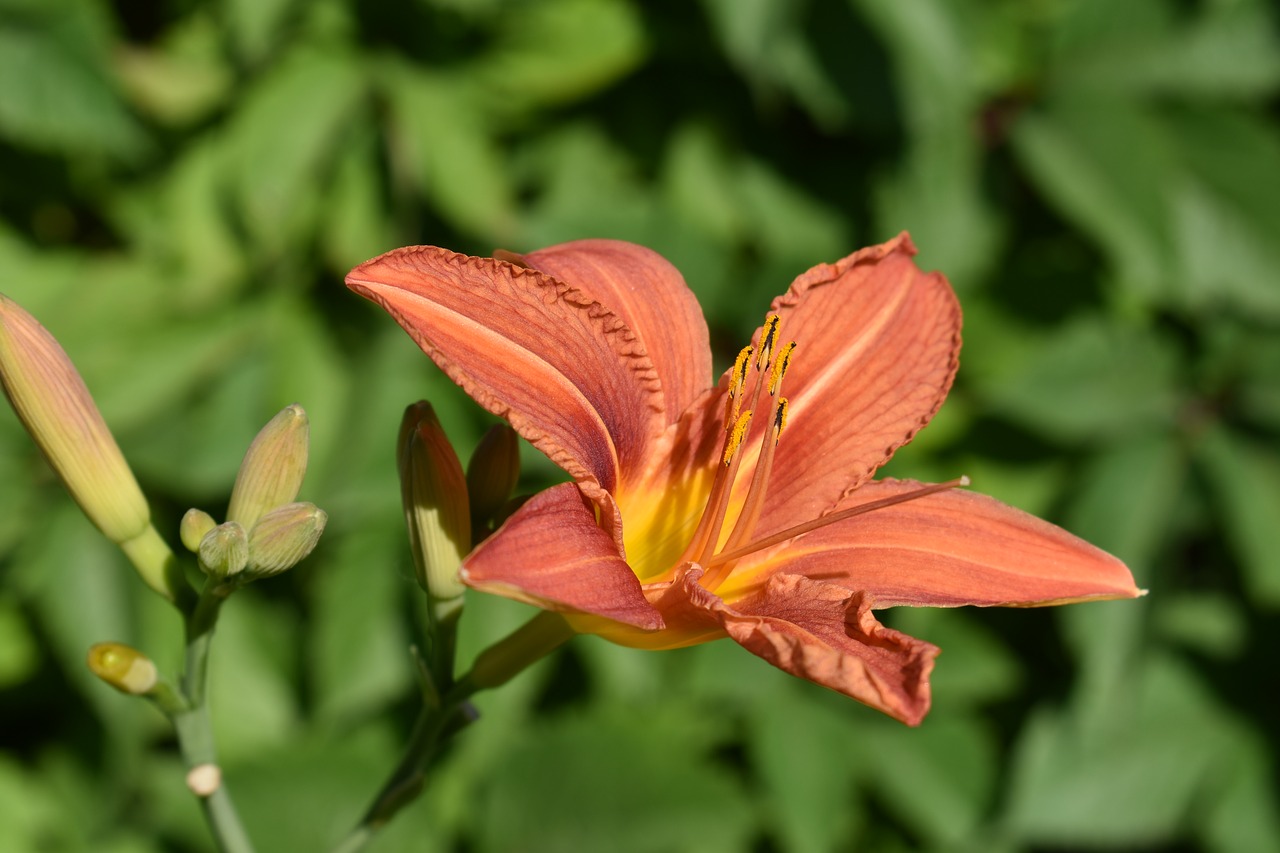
[(878, 347), (566, 372), (824, 633), (945, 550), (651, 297), (552, 554)]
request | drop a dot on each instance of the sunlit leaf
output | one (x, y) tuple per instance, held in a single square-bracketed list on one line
[(1245, 479)]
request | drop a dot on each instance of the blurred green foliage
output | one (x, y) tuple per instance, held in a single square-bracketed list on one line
[(183, 185)]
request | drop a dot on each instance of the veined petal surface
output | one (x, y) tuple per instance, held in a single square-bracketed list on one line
[(878, 345), (651, 297), (553, 554), (946, 550), (565, 371)]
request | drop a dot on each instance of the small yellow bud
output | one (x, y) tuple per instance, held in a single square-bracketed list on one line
[(436, 506), (273, 467), (493, 471), (56, 408), (195, 524), (283, 538), (224, 550), (123, 667)]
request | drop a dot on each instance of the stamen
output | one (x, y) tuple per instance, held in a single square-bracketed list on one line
[(780, 367), (767, 340), (740, 428), (823, 521), (780, 420), (753, 506), (737, 381), (740, 368)]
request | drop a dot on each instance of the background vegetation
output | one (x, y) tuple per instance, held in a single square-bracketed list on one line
[(184, 184)]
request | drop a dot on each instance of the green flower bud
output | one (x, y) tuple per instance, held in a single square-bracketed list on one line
[(195, 524), (493, 471), (224, 551), (283, 538), (273, 467), (437, 510), (56, 408), (123, 667)]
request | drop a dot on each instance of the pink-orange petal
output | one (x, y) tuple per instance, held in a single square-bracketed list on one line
[(651, 297), (568, 374), (552, 554), (878, 346), (954, 548), (827, 635)]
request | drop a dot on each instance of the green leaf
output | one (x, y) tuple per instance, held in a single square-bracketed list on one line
[(631, 780), (1066, 383), (1241, 816), (809, 798), (559, 50), (1130, 783), (1227, 50), (976, 668), (1127, 495), (58, 96), (1107, 165), (1210, 623), (938, 779), (1245, 480), (19, 653), (358, 651), (255, 25), (1225, 211), (450, 150), (285, 139), (254, 706), (767, 43)]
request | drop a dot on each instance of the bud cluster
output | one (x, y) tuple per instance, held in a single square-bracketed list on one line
[(266, 531)]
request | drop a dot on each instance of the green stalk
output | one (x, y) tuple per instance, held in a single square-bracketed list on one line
[(437, 724), (192, 724)]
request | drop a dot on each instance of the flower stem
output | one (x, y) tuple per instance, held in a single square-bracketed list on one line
[(436, 725), (192, 724)]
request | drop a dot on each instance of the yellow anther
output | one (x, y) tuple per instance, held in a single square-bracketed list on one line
[(740, 368), (740, 428), (779, 418), (780, 367), (767, 340)]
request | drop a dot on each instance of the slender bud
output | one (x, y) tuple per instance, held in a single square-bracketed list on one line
[(283, 538), (436, 506), (493, 471), (55, 406), (195, 524), (273, 467), (123, 667), (224, 551)]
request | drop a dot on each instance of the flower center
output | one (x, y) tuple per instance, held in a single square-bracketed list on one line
[(710, 547)]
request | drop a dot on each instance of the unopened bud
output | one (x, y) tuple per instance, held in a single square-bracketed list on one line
[(195, 524), (123, 667), (56, 408), (224, 550), (273, 467), (493, 471), (437, 510), (284, 537)]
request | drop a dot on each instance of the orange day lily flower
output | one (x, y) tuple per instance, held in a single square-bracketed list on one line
[(746, 509)]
